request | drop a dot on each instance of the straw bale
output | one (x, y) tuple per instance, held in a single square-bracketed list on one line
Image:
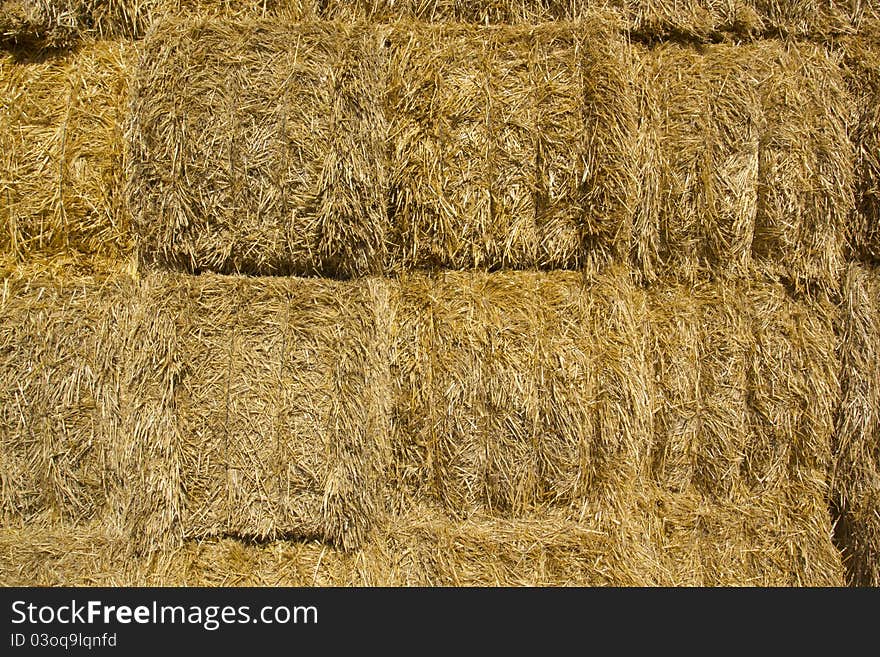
[(766, 540), (862, 59), (692, 20), (61, 23), (63, 555), (60, 367), (696, 419), (87, 556), (257, 409), (745, 161), (806, 179), (511, 146), (258, 147), (856, 481), (746, 393), (518, 391), (61, 153), (815, 18), (700, 20), (747, 388), (426, 548)]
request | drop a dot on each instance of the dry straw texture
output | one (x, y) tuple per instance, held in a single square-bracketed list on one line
[(259, 148), (857, 449), (696, 420), (511, 147), (746, 391), (61, 23), (61, 153), (426, 551), (862, 57), (745, 161), (60, 367), (701, 20), (519, 392), (64, 23), (75, 556), (256, 408)]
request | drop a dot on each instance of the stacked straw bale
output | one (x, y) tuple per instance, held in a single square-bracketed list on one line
[(815, 18), (760, 541), (62, 23), (259, 148), (700, 20), (746, 394), (547, 549), (862, 57), (519, 391), (61, 370), (428, 550), (745, 162), (857, 449), (511, 146), (61, 153), (87, 556), (256, 408)]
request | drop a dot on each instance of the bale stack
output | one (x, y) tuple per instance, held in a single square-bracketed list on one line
[(745, 162), (607, 349), (258, 148), (60, 365), (510, 147), (61, 153), (256, 408)]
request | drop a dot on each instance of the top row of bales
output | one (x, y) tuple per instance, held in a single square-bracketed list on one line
[(59, 23), (341, 150)]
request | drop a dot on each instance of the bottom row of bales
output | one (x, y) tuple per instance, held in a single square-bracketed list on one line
[(447, 428), (683, 543)]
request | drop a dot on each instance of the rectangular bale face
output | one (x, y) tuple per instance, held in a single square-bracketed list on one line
[(510, 146), (746, 162), (856, 468), (258, 148), (746, 384), (61, 363), (517, 392), (276, 405), (61, 153)]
